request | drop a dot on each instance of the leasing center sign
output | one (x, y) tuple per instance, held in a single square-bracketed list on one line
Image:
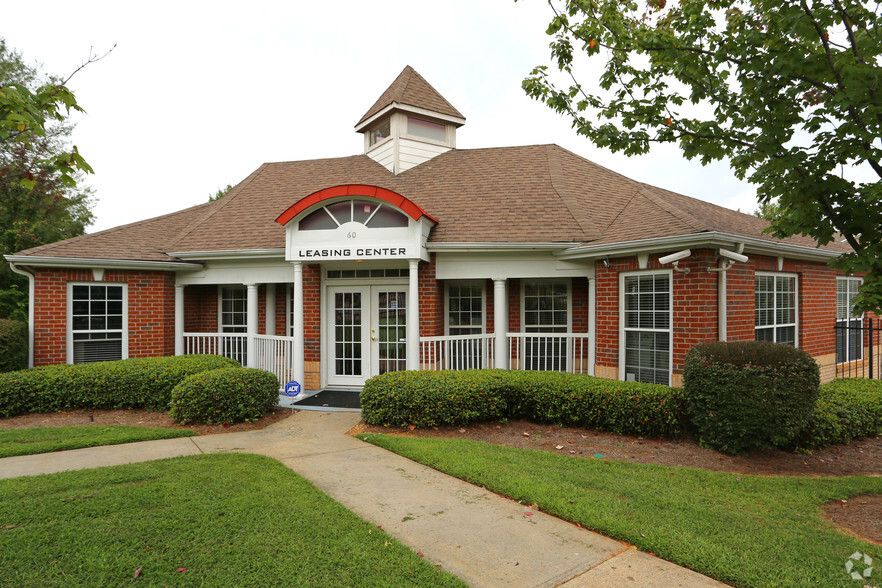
[(355, 242)]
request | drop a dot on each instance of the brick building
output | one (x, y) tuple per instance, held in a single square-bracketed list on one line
[(418, 255)]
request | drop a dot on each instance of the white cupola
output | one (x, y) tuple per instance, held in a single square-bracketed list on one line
[(409, 124)]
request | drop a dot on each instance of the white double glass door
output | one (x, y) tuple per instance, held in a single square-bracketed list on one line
[(366, 330)]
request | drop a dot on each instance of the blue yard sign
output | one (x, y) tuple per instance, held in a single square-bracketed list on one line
[(292, 388)]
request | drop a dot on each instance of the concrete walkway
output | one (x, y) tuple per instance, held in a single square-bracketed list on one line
[(484, 539)]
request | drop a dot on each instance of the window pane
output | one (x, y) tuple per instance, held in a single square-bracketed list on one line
[(317, 221), (387, 217), (423, 128), (342, 211), (647, 328)]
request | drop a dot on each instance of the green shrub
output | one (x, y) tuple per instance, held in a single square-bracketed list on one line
[(430, 398), (749, 395), (130, 383), (13, 345), (225, 395), (848, 408)]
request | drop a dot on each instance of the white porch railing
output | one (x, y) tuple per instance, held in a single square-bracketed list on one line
[(232, 345), (275, 354), (565, 352), (457, 352), (559, 352)]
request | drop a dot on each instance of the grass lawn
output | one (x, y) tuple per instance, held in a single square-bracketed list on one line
[(209, 520), (742, 530), (48, 439)]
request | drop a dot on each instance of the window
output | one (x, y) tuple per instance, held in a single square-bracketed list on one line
[(465, 316), (380, 133), (775, 308), (234, 319), (646, 319), (546, 310), (97, 322), (465, 309), (849, 334), (372, 214), (427, 130)]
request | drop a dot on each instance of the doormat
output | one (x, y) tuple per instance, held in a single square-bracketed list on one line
[(332, 399)]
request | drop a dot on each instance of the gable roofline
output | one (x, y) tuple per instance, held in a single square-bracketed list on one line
[(708, 239)]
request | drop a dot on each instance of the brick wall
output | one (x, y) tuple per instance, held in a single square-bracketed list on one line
[(431, 300), (151, 302), (695, 304)]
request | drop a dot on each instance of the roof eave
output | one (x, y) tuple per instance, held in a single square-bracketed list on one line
[(363, 125), (465, 247), (231, 254), (89, 263), (708, 239)]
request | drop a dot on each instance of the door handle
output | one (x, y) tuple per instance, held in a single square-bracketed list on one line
[(373, 338)]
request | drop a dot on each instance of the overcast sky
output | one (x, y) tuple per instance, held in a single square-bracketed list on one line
[(197, 95)]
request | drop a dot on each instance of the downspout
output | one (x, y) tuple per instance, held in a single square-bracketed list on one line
[(31, 291), (722, 302)]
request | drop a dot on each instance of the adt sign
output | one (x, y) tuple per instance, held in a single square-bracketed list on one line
[(292, 388)]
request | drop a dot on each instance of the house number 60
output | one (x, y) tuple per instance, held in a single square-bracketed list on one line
[(351, 235)]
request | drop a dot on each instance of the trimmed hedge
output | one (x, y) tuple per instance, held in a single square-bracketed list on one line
[(13, 345), (225, 395), (433, 398), (749, 395), (129, 383), (848, 408)]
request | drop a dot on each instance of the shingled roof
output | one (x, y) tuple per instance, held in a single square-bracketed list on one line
[(411, 89), (533, 194)]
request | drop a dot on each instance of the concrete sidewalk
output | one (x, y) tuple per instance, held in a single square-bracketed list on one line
[(484, 539)]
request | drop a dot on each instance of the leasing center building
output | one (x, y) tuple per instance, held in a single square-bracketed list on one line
[(419, 255)]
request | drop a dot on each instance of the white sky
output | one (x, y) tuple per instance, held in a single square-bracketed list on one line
[(197, 95)]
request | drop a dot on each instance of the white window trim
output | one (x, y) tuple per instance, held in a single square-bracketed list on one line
[(849, 318), (69, 317), (795, 324), (483, 287), (669, 330), (220, 305), (569, 284)]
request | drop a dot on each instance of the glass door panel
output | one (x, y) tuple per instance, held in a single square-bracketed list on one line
[(390, 330)]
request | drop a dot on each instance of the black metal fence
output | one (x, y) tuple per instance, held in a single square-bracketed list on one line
[(858, 348)]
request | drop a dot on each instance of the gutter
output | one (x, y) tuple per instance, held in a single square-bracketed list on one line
[(89, 263), (31, 290), (709, 239)]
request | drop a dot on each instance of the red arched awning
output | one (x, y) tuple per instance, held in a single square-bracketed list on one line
[(406, 206)]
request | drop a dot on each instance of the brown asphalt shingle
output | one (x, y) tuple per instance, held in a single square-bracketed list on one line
[(530, 194), (412, 89)]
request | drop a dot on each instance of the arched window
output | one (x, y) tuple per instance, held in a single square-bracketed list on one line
[(372, 214)]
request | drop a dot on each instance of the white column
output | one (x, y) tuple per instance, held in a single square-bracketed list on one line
[(413, 317), (500, 320), (179, 320), (251, 328), (592, 324), (298, 369), (270, 309)]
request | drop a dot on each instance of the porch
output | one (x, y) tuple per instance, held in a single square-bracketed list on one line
[(563, 352)]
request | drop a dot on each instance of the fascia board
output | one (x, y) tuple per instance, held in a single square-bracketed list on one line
[(230, 254), (476, 247), (714, 239), (413, 110), (88, 263)]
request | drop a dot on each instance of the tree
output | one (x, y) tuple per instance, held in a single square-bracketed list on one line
[(788, 91), (769, 210), (220, 193), (40, 201)]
